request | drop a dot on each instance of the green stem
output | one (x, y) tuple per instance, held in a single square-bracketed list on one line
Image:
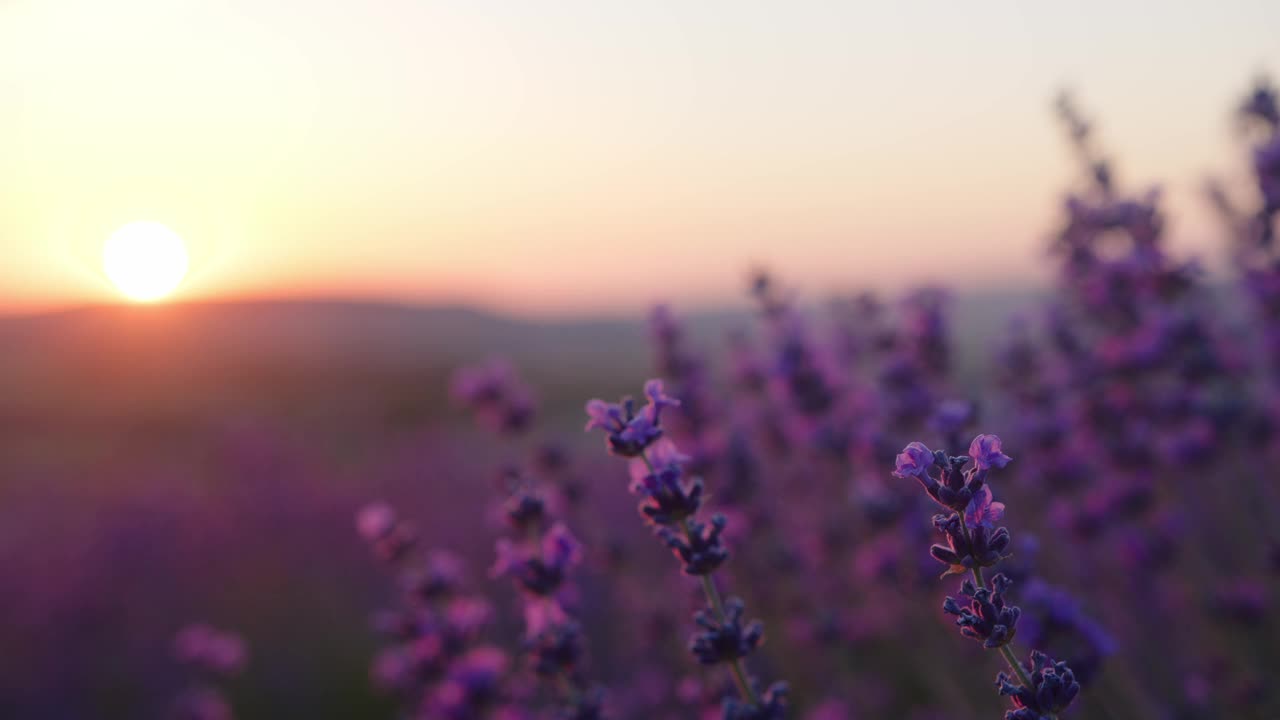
[(1008, 654), (717, 605), (1017, 666), (713, 598), (712, 592)]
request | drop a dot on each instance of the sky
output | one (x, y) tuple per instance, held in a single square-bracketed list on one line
[(592, 157)]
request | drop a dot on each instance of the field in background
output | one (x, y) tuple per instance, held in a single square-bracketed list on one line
[(161, 464)]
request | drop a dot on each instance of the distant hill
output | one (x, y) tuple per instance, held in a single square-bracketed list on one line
[(367, 332), (331, 357)]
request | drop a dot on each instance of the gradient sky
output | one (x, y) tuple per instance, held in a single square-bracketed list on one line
[(592, 156)]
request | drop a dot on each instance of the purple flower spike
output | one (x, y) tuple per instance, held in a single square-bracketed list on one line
[(375, 521), (701, 550), (668, 497), (915, 460), (664, 456), (967, 549), (982, 510), (555, 650), (494, 391), (985, 451), (672, 495), (560, 548), (1053, 688), (658, 399), (987, 618), (214, 654), (215, 651), (611, 417), (957, 482), (540, 572), (630, 433), (1262, 105), (471, 686), (974, 542), (727, 640), (390, 538)]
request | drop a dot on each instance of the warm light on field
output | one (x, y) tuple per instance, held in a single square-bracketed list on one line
[(146, 260)]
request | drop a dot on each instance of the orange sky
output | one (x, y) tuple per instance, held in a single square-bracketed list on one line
[(590, 156)]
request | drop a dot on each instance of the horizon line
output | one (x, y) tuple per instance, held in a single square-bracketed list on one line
[(497, 312)]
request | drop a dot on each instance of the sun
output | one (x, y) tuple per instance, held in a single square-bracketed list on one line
[(146, 260)]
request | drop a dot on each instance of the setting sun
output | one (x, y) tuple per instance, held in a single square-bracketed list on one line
[(146, 260)]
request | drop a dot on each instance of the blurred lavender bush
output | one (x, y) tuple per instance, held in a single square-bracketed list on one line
[(1140, 402)]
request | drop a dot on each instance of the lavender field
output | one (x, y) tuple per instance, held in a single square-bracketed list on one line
[(926, 505)]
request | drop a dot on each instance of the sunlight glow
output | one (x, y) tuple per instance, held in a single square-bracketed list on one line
[(146, 260)]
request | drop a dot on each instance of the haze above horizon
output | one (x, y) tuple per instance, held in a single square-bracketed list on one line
[(593, 156)]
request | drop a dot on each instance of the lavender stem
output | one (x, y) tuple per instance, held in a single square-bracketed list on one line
[(713, 598), (1009, 656)]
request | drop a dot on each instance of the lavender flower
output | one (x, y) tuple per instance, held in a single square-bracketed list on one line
[(1050, 691), (216, 656), (1261, 104), (439, 577), (985, 615), (630, 433), (983, 510), (212, 650), (433, 664), (700, 548), (671, 504), (987, 619), (958, 479), (986, 454), (525, 510), (539, 563), (968, 546), (541, 571), (501, 401), (915, 461), (725, 640), (472, 685), (556, 650), (378, 525), (668, 497)]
